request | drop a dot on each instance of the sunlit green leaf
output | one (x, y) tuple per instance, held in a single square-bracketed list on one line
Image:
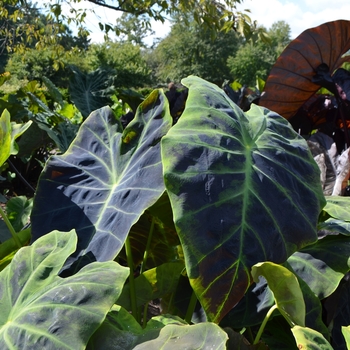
[(286, 290), (39, 309), (309, 339), (105, 181), (5, 136)]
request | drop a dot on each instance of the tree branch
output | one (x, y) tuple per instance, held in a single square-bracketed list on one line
[(116, 8)]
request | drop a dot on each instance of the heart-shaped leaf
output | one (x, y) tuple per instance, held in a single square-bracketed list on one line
[(289, 84), (105, 181), (234, 181), (18, 210), (43, 311)]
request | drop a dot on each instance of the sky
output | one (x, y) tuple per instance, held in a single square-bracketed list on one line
[(299, 14)]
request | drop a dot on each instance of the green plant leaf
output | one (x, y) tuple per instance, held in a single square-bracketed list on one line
[(90, 91), (105, 181), (338, 207), (234, 181), (8, 247), (309, 339), (346, 334), (322, 265), (286, 290), (336, 226), (152, 284), (41, 310), (120, 331), (200, 336), (16, 131), (5, 136), (18, 210), (313, 307)]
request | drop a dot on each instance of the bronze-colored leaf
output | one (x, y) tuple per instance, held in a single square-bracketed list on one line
[(289, 84)]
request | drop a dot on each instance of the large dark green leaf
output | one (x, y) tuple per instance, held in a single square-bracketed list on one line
[(40, 310), (244, 188), (290, 83), (105, 180)]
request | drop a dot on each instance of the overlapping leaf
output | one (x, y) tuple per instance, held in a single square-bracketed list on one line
[(120, 331), (105, 180), (307, 338), (234, 181), (40, 310), (286, 290), (322, 265), (290, 84)]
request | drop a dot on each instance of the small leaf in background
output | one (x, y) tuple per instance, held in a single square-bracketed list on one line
[(309, 339), (234, 180), (286, 290), (17, 131), (338, 207), (41, 310), (5, 136), (101, 186), (18, 211), (335, 216)]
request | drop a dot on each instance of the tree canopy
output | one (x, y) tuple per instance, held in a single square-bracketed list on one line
[(17, 31)]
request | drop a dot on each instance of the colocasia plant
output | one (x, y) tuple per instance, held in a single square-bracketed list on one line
[(211, 232)]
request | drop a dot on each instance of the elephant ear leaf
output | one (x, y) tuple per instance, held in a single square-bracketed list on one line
[(290, 82), (105, 180), (234, 181), (40, 310)]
